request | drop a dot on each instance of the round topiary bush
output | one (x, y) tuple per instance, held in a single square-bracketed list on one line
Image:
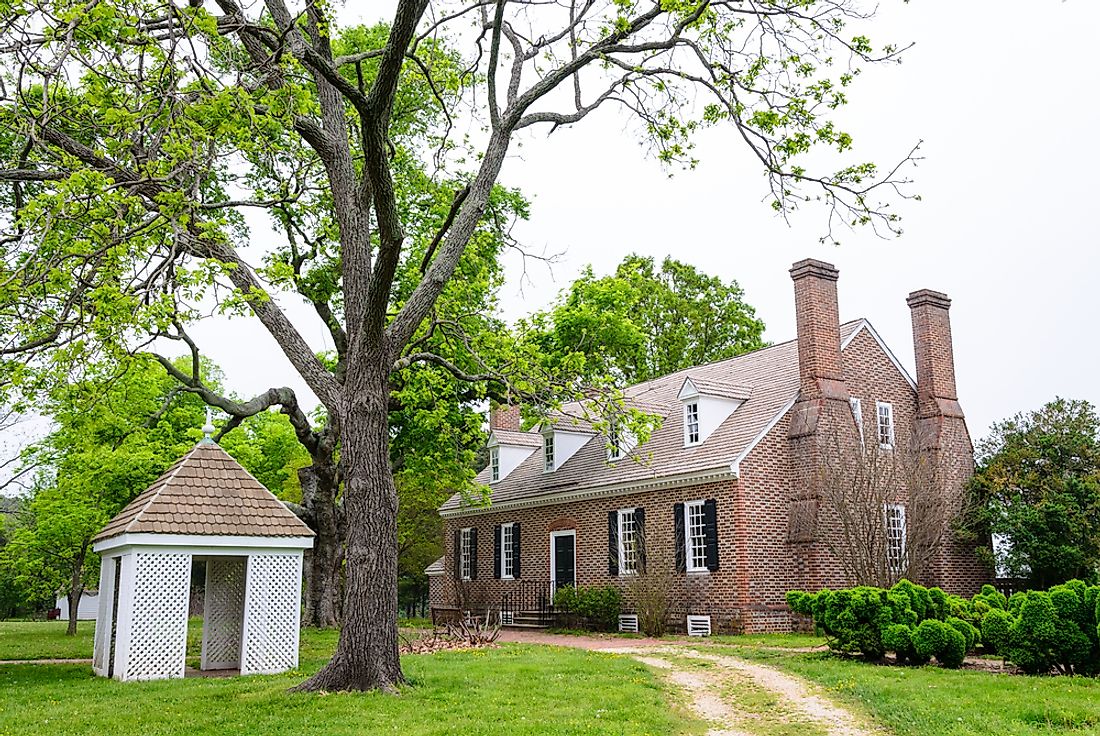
[(898, 638), (929, 638), (969, 632), (953, 651), (995, 627)]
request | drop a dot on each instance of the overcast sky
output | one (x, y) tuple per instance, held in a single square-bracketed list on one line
[(1005, 102)]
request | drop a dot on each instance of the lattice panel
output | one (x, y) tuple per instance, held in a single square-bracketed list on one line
[(158, 616), (103, 615), (223, 613), (273, 611)]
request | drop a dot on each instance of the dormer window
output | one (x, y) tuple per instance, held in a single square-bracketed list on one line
[(548, 452), (691, 423), (614, 442), (494, 464)]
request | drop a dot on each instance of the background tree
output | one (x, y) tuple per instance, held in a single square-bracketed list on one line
[(641, 322), (137, 132), (1037, 490)]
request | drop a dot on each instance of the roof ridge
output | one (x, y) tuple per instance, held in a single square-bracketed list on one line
[(167, 476)]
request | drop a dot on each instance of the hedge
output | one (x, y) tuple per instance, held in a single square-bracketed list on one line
[(597, 607), (1040, 631)]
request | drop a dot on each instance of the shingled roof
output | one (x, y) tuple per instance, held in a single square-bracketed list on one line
[(768, 377), (206, 492)]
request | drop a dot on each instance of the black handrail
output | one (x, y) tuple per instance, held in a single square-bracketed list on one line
[(527, 597)]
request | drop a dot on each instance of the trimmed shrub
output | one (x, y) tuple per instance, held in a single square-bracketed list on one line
[(995, 628), (898, 638), (597, 606), (970, 634), (854, 619), (936, 639)]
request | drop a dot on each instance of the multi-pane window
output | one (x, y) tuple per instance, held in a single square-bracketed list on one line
[(857, 414), (628, 542), (895, 537), (548, 452), (885, 425), (507, 552), (465, 552), (691, 423), (614, 442), (494, 464), (695, 535)]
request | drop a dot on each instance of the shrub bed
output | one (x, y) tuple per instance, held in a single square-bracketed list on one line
[(1040, 631), (596, 607)]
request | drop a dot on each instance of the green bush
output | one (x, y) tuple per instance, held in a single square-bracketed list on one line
[(995, 628), (898, 638), (937, 639), (597, 606), (969, 632)]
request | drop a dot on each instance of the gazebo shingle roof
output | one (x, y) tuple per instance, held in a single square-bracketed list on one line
[(206, 492)]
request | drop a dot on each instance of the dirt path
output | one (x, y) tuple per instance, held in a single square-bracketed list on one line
[(735, 696)]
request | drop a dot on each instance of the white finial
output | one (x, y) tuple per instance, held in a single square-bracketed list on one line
[(208, 428)]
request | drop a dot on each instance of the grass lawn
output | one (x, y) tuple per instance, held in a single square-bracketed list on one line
[(931, 701), (514, 689), (786, 641), (45, 640)]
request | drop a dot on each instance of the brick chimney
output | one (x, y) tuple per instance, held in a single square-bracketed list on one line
[(504, 417), (818, 321), (936, 395)]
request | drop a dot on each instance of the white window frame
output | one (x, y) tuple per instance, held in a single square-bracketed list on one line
[(614, 442), (494, 464), (548, 452), (888, 415), (857, 414), (689, 539), (507, 551), (895, 543), (633, 569), (691, 408), (465, 550)]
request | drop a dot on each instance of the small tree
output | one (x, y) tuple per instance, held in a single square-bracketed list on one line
[(869, 493), (651, 587)]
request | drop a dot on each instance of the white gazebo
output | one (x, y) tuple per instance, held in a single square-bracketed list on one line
[(206, 508)]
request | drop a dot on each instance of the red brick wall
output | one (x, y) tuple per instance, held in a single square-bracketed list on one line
[(757, 562)]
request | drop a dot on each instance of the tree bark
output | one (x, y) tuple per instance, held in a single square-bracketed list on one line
[(319, 487), (76, 590), (366, 656)]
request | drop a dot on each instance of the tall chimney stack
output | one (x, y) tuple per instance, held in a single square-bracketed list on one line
[(936, 394), (818, 321), (502, 416)]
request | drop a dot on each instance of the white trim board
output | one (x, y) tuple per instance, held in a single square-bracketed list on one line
[(621, 489), (553, 574), (218, 545)]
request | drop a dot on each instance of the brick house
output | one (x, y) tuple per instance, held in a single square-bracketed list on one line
[(727, 488)]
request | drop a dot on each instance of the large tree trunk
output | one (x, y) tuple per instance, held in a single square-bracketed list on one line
[(319, 488), (366, 656)]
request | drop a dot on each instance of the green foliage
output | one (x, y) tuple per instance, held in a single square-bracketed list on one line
[(1037, 487), (970, 633), (643, 322), (898, 638), (1056, 631), (996, 625), (934, 638), (598, 606)]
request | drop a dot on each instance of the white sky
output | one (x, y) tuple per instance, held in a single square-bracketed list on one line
[(1005, 101)]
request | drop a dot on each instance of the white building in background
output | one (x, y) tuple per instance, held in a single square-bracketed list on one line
[(85, 611)]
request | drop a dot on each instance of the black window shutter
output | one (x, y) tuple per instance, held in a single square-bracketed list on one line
[(639, 538), (473, 553), (710, 520), (613, 542), (496, 552), (515, 550), (458, 554), (681, 543)]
